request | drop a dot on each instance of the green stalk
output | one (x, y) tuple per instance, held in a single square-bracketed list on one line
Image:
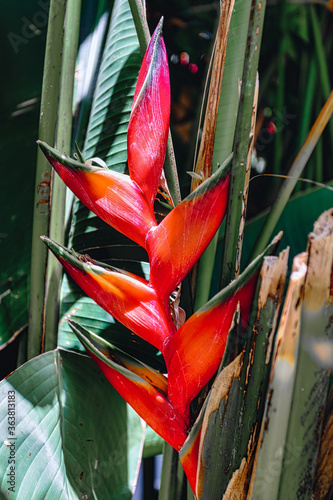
[(224, 136), (62, 143), (173, 480), (293, 175), (170, 168), (140, 21), (48, 116), (278, 143), (321, 58), (238, 189), (307, 102)]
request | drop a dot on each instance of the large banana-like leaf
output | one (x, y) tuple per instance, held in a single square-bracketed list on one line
[(107, 129), (69, 436)]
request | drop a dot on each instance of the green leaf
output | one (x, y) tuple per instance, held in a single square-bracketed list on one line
[(107, 129), (69, 417)]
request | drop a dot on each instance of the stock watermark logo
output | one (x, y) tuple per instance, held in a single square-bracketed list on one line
[(10, 442), (31, 27)]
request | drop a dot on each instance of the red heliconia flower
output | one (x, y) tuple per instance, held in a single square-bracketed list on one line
[(194, 351)]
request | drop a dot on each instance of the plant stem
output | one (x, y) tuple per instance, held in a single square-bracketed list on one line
[(224, 136), (242, 149), (48, 116), (58, 198)]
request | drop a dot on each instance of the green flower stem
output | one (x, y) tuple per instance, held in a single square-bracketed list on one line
[(224, 136), (62, 143), (56, 114), (312, 376), (278, 143), (237, 200), (48, 117)]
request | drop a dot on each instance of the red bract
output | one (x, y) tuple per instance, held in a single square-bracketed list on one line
[(149, 123), (140, 385), (123, 295), (203, 338), (179, 240), (112, 196)]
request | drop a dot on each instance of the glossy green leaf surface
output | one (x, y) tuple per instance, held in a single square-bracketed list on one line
[(107, 129), (69, 417)]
